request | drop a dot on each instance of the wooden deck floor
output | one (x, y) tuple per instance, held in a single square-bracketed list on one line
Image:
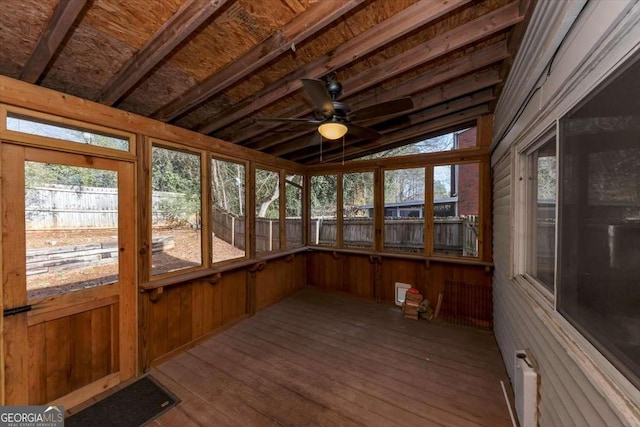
[(324, 359)]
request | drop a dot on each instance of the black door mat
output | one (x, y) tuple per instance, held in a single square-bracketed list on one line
[(134, 405)]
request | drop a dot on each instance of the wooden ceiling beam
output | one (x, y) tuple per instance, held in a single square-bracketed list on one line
[(180, 26), (58, 26), (465, 86), (295, 32), (431, 78), (410, 129), (409, 19), (413, 134), (432, 49)]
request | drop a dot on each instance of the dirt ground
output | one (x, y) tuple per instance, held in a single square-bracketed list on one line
[(186, 253)]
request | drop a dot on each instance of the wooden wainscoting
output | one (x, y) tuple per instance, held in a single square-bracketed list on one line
[(184, 313), (279, 279), (374, 277)]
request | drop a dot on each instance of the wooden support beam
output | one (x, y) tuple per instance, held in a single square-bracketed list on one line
[(295, 32), (434, 48), (180, 26), (411, 18), (454, 90), (435, 76), (59, 25), (411, 134)]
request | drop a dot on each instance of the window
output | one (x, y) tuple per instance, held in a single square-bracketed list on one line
[(456, 195), (357, 199), (71, 222), (404, 191), (598, 289), (24, 124), (323, 221), (451, 141), (228, 207), (176, 210), (267, 210), (293, 219), (541, 209)]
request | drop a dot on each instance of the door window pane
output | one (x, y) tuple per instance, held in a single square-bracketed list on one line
[(293, 220), (357, 198), (71, 223), (404, 210), (267, 210), (323, 221), (176, 210), (227, 210)]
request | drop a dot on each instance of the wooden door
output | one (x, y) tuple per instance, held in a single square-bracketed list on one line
[(68, 267)]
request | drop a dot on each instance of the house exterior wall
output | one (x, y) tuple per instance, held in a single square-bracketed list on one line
[(566, 54), (468, 177)]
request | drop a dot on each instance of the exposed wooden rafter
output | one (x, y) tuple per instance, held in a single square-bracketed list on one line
[(59, 25), (431, 78), (181, 25), (465, 87), (295, 32), (400, 24), (432, 49)]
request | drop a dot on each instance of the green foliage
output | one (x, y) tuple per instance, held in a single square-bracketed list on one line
[(176, 171), (46, 174), (323, 195), (293, 196), (267, 194)]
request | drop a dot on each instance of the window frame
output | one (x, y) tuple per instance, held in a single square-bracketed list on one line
[(61, 144), (427, 241), (247, 197), (525, 218), (285, 181), (205, 244), (281, 208)]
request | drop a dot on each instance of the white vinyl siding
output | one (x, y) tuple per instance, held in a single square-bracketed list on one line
[(578, 386), (567, 397)]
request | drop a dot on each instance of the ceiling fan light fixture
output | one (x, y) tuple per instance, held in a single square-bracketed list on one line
[(332, 130)]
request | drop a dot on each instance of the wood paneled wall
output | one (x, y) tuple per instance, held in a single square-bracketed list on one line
[(187, 312), (374, 277), (70, 352)]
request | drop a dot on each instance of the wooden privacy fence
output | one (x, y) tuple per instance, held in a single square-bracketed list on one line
[(451, 236), (65, 207), (230, 228)]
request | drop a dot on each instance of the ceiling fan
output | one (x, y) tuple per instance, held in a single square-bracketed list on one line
[(335, 119)]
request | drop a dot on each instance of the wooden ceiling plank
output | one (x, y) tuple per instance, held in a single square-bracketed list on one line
[(181, 25), (433, 77), (409, 19), (58, 26), (457, 89), (443, 110), (437, 47), (415, 133), (295, 32)]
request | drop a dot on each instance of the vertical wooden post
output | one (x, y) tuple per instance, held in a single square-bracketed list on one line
[(143, 215), (339, 210), (206, 217), (250, 231), (378, 227), (282, 217), (485, 136), (428, 210)]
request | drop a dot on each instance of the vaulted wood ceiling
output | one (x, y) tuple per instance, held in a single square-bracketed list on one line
[(215, 66)]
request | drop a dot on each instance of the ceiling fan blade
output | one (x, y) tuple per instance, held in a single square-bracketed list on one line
[(383, 109), (317, 91), (288, 120), (363, 132)]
